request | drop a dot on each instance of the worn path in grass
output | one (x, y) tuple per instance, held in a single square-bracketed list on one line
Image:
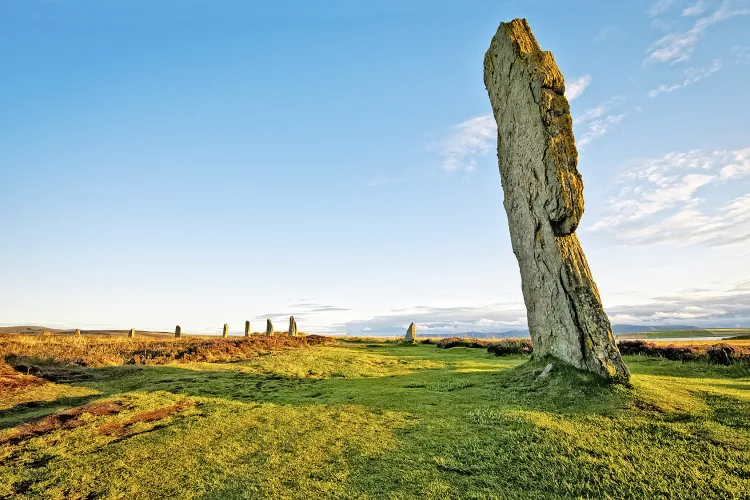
[(378, 421)]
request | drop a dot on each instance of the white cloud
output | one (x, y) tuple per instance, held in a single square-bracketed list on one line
[(575, 88), (696, 9), (709, 307), (738, 165), (692, 75), (741, 54), (679, 46), (468, 140), (659, 7), (597, 121), (486, 318), (659, 201)]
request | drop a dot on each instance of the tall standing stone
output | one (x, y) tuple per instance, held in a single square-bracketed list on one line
[(269, 327), (411, 334), (544, 202), (225, 333), (177, 331), (132, 333), (77, 332), (292, 327), (247, 328)]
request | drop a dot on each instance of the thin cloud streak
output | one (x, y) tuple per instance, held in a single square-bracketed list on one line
[(676, 47), (692, 75)]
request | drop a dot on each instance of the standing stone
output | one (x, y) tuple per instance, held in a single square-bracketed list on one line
[(132, 333), (269, 327), (247, 328), (544, 202), (177, 331), (225, 333), (411, 334), (292, 327), (77, 332), (46, 333)]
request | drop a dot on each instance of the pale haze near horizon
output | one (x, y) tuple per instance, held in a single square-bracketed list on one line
[(227, 161)]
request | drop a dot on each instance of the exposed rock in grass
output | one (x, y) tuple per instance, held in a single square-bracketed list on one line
[(177, 331), (292, 327), (544, 203), (132, 333), (247, 328), (269, 327), (547, 369), (225, 332)]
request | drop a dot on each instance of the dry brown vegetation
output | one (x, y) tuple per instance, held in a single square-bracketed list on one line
[(90, 350), (29, 360)]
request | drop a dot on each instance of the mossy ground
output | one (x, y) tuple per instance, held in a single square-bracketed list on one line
[(384, 421)]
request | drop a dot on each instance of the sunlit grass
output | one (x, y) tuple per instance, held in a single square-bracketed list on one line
[(389, 421)]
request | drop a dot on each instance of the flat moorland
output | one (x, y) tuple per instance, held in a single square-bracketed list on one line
[(315, 419)]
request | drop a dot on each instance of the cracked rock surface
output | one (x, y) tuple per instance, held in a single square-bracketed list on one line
[(543, 192)]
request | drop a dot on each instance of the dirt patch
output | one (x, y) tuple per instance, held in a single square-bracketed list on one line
[(124, 428), (47, 369), (63, 420), (13, 381)]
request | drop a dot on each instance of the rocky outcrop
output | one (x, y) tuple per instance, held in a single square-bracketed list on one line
[(269, 327), (292, 327), (225, 333), (177, 331), (544, 203), (411, 334), (247, 328)]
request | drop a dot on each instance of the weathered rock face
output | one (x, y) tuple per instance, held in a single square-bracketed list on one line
[(225, 333), (544, 203), (247, 328), (411, 334), (269, 327), (292, 327), (177, 331)]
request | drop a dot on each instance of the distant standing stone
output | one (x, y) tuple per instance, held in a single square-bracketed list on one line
[(132, 333), (247, 328), (78, 331), (226, 331), (292, 327), (269, 327), (177, 331), (411, 334)]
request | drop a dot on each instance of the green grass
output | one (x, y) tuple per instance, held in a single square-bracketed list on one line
[(389, 421)]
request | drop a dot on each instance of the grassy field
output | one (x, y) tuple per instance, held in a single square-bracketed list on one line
[(380, 420)]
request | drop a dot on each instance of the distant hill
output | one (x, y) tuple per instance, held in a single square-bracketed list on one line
[(617, 329)]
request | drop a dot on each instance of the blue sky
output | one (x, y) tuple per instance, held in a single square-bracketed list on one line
[(207, 162)]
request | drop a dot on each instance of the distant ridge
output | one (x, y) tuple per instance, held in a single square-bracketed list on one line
[(617, 329)]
